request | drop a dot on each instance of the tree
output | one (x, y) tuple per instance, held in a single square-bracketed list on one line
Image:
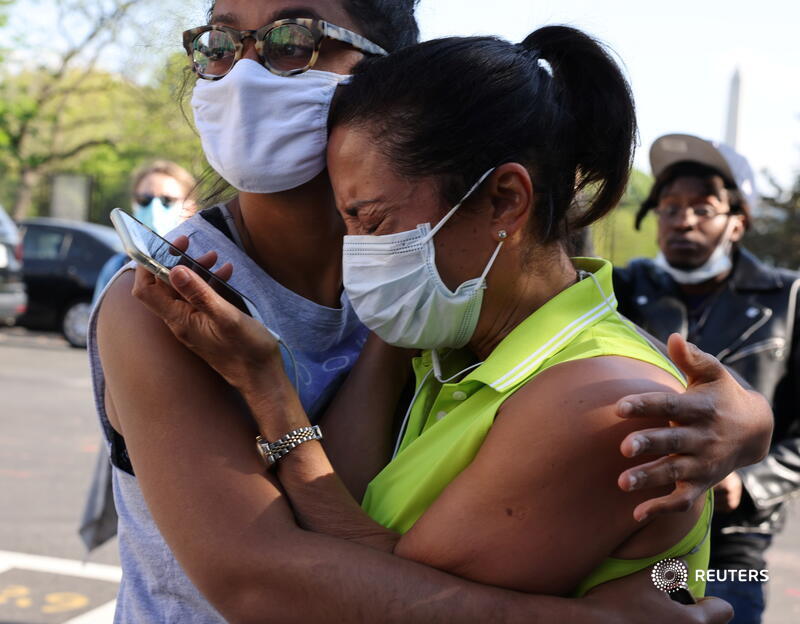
[(775, 236), (615, 237), (153, 126), (65, 111)]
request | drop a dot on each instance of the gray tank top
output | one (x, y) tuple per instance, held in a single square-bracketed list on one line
[(326, 343)]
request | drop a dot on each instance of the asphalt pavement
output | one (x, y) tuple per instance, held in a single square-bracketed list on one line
[(48, 446)]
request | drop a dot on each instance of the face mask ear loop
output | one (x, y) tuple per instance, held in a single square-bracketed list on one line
[(491, 262), (444, 219)]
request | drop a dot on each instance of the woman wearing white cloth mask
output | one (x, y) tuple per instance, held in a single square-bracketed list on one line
[(218, 437)]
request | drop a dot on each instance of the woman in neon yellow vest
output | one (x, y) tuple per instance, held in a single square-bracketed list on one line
[(456, 166)]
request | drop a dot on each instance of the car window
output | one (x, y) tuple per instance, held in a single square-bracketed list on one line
[(44, 244), (87, 250)]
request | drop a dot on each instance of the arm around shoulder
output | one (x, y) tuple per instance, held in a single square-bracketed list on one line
[(543, 487)]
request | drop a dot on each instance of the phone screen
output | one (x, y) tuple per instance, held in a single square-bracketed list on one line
[(142, 243)]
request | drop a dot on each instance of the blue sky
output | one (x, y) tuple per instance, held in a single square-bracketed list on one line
[(679, 55)]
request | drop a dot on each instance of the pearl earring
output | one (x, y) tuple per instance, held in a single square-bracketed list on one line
[(502, 235)]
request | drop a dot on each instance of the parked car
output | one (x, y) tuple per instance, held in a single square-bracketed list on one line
[(61, 262), (13, 300)]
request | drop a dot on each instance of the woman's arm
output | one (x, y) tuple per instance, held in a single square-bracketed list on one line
[(232, 531), (228, 523), (722, 425), (472, 507), (538, 508), (361, 417)]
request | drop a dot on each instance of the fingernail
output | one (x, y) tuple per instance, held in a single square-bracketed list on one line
[(637, 445), (636, 480), (180, 277), (625, 408), (632, 481)]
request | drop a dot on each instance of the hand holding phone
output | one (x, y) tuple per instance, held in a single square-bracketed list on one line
[(159, 256)]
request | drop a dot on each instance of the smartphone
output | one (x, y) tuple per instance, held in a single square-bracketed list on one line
[(158, 256)]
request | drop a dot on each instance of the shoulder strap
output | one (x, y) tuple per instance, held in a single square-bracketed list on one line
[(214, 216)]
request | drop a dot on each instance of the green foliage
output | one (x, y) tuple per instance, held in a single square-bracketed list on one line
[(150, 126), (775, 236), (615, 237), (95, 123), (91, 102)]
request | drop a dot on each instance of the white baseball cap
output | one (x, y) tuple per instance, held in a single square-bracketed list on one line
[(673, 148)]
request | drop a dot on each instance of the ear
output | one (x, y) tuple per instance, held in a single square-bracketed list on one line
[(511, 192), (738, 228)]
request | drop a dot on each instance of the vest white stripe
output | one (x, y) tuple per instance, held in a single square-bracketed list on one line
[(535, 359)]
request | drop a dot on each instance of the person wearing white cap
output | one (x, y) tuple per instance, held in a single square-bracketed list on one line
[(704, 285)]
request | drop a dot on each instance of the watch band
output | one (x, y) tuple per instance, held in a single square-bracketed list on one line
[(271, 452)]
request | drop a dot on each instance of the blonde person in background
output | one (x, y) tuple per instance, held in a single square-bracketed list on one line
[(160, 198)]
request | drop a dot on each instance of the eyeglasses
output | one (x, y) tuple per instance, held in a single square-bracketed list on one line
[(145, 200), (702, 212), (286, 47)]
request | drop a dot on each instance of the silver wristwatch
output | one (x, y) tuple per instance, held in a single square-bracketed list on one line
[(271, 452)]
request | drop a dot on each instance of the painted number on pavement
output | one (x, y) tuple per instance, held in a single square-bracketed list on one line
[(56, 602)]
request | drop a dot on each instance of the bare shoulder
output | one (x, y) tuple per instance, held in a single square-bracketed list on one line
[(586, 391), (121, 316), (543, 486), (143, 363)]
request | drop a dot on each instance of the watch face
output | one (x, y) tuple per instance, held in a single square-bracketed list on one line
[(263, 448)]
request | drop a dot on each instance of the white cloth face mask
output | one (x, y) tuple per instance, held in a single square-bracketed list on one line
[(396, 291), (718, 263), (265, 133)]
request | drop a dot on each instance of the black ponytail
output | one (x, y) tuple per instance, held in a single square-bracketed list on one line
[(453, 108), (601, 127)]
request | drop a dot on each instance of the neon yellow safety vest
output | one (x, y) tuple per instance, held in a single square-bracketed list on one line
[(449, 422)]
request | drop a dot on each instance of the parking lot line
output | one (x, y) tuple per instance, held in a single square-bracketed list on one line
[(67, 567), (101, 615)]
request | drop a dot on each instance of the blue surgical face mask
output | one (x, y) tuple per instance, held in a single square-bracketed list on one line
[(158, 217)]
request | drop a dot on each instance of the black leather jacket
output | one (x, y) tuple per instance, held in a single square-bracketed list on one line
[(752, 327)]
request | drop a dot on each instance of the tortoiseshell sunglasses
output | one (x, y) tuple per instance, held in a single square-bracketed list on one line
[(286, 47)]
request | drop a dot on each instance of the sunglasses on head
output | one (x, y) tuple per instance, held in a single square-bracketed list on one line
[(286, 47), (145, 200)]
